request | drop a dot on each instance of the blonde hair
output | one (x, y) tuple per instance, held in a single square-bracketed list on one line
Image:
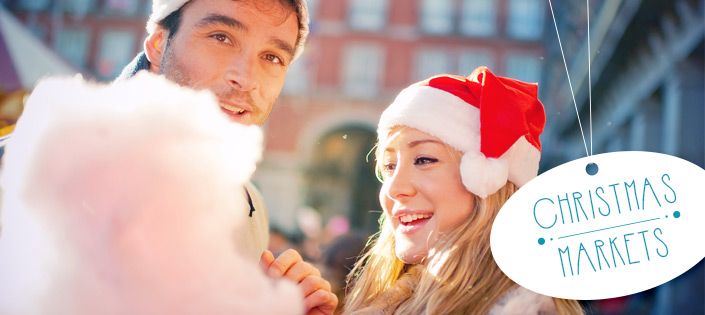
[(467, 279)]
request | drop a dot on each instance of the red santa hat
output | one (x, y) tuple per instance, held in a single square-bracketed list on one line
[(494, 121)]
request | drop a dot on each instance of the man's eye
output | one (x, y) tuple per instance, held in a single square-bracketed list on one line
[(424, 160), (273, 59), (221, 38)]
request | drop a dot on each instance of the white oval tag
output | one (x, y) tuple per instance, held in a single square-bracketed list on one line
[(638, 222)]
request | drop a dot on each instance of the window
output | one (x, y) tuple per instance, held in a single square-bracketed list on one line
[(437, 16), (122, 7), (33, 5), (72, 44), (525, 67), (471, 59), (78, 7), (313, 9), (362, 70), (432, 62), (145, 8), (368, 15), (526, 19), (297, 77), (653, 116), (478, 18), (115, 51), (39, 30)]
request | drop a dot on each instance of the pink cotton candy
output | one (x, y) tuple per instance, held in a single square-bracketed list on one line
[(125, 199)]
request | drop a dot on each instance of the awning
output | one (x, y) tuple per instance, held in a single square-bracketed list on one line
[(24, 59)]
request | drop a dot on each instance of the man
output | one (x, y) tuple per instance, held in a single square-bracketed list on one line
[(241, 51)]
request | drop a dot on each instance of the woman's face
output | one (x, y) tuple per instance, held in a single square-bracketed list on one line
[(422, 194)]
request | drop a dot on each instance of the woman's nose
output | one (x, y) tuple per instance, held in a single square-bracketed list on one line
[(400, 185)]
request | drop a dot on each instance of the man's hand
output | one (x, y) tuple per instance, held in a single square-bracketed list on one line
[(318, 298)]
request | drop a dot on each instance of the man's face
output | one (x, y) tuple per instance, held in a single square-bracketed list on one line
[(240, 50)]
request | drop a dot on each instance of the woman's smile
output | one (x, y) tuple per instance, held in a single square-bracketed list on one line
[(409, 222)]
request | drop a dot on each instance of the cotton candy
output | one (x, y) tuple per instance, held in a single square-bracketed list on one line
[(125, 199)]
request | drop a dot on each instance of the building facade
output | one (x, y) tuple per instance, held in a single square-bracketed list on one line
[(648, 94), (647, 80), (360, 54)]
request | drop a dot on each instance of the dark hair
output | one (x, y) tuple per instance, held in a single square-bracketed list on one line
[(172, 21)]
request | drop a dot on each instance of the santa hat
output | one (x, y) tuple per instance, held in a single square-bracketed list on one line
[(162, 8), (494, 121)]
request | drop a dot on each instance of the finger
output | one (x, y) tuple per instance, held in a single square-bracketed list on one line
[(301, 270), (266, 259), (312, 284), (282, 263), (321, 300)]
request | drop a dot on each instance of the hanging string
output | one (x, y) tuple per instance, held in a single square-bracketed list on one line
[(587, 4), (568, 75)]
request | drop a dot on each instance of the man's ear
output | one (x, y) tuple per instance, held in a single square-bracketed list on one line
[(154, 47)]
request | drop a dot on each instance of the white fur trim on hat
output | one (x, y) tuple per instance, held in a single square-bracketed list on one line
[(437, 113), (160, 10)]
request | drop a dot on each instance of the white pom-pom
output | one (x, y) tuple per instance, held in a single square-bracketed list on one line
[(483, 176), (523, 162)]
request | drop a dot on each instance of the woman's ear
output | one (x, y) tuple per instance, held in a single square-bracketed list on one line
[(154, 47)]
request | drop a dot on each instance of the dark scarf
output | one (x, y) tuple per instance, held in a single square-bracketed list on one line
[(137, 64)]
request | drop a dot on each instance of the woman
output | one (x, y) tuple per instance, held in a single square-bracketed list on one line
[(451, 151)]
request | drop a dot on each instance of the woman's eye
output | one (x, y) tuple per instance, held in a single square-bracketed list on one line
[(424, 160), (388, 168)]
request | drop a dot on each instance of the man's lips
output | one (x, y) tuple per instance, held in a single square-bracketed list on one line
[(235, 107), (237, 111)]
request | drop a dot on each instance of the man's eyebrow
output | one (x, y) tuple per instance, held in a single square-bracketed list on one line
[(283, 45), (219, 19)]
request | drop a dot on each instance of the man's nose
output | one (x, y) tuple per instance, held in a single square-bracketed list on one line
[(241, 72)]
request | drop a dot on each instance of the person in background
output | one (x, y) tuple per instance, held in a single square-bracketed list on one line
[(280, 240), (339, 257), (451, 150)]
